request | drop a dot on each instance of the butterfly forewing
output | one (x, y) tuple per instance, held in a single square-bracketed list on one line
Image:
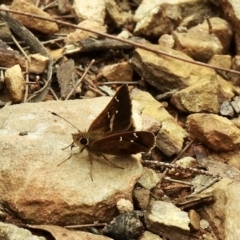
[(124, 143), (116, 117)]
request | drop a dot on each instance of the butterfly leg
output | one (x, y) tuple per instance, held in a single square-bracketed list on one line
[(91, 163), (66, 159), (111, 162), (72, 145)]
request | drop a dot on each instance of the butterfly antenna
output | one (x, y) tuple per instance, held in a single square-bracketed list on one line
[(53, 113)]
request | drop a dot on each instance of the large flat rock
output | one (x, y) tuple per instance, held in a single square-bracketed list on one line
[(39, 191)]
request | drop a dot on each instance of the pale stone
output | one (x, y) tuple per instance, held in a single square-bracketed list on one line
[(79, 34), (124, 205), (165, 73), (15, 83), (202, 96), (30, 22), (149, 178), (11, 232), (223, 215), (149, 236), (215, 131), (164, 218), (40, 191), (170, 137), (118, 72), (93, 10), (38, 63), (172, 133)]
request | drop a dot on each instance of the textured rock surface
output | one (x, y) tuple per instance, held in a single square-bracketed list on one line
[(40, 191)]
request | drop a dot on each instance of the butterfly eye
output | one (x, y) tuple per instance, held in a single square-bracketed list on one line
[(83, 140)]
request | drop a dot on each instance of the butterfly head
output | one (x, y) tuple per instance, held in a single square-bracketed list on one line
[(80, 139)]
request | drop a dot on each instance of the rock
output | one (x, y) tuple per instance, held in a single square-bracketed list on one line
[(141, 198), (202, 96), (223, 215), (166, 40), (194, 220), (36, 188), (192, 11), (226, 109), (166, 74), (144, 8), (116, 15), (10, 58), (93, 10), (125, 226), (201, 45), (230, 170), (217, 132), (164, 218), (222, 61), (79, 34), (58, 232), (171, 136), (204, 224), (39, 25), (191, 44), (232, 160), (90, 94), (227, 89), (15, 83), (231, 9), (12, 232), (64, 7), (186, 162), (221, 28), (159, 20), (149, 178), (235, 66), (124, 205), (118, 72), (149, 236), (38, 63), (236, 104)]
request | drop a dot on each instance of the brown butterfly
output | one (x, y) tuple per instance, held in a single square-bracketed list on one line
[(110, 132)]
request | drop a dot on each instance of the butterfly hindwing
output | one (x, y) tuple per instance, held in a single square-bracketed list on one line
[(124, 143)]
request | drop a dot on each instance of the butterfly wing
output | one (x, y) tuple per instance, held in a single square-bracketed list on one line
[(117, 115), (125, 143)]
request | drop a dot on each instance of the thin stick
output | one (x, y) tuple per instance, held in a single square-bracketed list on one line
[(86, 225), (50, 5), (169, 165), (53, 40), (96, 90), (52, 91), (20, 48), (177, 181), (27, 81), (139, 45), (79, 81), (175, 159), (119, 82)]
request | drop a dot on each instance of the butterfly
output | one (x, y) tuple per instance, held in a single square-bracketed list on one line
[(112, 132)]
